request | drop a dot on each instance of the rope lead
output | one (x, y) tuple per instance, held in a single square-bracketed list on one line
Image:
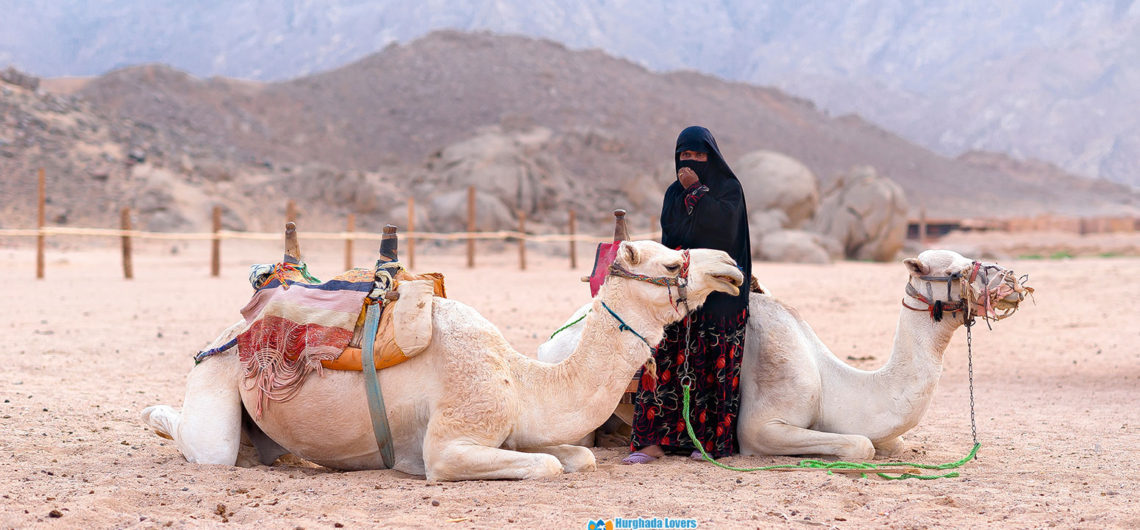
[(819, 464)]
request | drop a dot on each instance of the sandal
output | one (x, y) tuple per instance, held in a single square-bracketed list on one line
[(697, 456), (637, 457)]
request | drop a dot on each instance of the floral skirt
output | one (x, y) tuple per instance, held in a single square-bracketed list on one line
[(715, 349)]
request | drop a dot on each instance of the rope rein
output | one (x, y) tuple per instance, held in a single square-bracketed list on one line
[(881, 470), (622, 326)]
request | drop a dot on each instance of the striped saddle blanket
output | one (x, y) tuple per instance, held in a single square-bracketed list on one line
[(296, 326)]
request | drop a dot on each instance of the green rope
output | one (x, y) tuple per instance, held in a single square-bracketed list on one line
[(819, 464), (304, 270), (577, 320)]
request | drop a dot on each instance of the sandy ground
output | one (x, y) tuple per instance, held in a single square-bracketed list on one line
[(1058, 406)]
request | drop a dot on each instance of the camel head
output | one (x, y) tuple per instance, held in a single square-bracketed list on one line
[(949, 282), (664, 281)]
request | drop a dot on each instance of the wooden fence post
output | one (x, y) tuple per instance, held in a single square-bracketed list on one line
[(290, 211), (522, 240), (922, 226), (573, 250), (470, 226), (125, 223), (216, 244), (40, 225), (348, 241), (411, 228)]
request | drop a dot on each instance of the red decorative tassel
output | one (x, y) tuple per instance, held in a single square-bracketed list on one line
[(649, 376)]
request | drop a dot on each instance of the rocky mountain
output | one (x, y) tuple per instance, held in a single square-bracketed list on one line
[(1045, 80), (581, 128)]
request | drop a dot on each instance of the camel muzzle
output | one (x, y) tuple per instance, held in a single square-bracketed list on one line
[(733, 280)]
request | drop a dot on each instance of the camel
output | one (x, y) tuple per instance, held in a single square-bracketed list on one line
[(798, 398), (469, 406)]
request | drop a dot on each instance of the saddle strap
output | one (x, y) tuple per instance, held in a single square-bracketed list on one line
[(372, 386)]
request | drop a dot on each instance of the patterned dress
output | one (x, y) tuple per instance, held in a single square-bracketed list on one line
[(712, 214), (716, 347)]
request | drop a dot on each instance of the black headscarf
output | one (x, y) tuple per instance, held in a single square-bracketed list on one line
[(718, 220)]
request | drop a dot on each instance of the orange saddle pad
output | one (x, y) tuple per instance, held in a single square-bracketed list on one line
[(385, 352)]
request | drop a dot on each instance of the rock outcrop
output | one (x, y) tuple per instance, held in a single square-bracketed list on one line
[(775, 181), (866, 213)]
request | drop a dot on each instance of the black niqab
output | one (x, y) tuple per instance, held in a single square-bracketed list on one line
[(718, 220)]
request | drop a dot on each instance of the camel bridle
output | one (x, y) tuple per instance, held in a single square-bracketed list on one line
[(997, 283), (969, 304), (680, 281)]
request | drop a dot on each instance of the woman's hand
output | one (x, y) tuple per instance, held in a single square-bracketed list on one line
[(687, 177)]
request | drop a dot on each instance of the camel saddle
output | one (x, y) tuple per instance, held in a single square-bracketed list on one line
[(405, 325), (296, 325)]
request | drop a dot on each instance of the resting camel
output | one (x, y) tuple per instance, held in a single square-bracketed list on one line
[(469, 406), (797, 398)]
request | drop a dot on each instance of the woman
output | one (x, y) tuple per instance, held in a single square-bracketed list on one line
[(704, 208)]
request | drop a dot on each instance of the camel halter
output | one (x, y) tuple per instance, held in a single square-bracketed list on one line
[(680, 281), (969, 305), (997, 283)]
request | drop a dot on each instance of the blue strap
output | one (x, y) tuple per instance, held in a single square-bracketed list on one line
[(625, 327), (372, 386), (202, 355)]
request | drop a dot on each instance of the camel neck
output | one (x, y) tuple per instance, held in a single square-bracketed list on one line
[(910, 375), (920, 342), (579, 393)]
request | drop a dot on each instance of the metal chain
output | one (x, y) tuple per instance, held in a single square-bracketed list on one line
[(688, 327), (970, 357)]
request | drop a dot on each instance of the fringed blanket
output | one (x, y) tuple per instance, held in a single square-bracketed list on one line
[(293, 326), (296, 325)]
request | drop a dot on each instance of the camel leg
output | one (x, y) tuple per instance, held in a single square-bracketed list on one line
[(890, 447), (466, 460), (574, 458), (778, 438), (208, 431)]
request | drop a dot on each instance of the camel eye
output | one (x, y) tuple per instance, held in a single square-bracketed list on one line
[(672, 268)]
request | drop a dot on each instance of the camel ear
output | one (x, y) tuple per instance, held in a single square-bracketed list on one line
[(916, 267), (630, 254)]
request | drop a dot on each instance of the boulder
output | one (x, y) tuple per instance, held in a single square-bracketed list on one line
[(763, 222), (774, 181), (866, 213), (449, 213), (795, 246), (511, 167)]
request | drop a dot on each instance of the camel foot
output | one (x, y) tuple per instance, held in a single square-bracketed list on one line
[(162, 418), (859, 448), (573, 458), (890, 448)]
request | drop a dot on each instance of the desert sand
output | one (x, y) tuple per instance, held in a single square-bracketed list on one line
[(1057, 401)]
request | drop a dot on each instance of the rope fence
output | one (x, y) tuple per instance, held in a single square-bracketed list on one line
[(126, 233), (335, 236)]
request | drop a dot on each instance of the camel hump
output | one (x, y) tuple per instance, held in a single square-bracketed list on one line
[(756, 287)]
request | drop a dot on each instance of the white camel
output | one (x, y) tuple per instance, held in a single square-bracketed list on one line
[(797, 398), (469, 406)]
